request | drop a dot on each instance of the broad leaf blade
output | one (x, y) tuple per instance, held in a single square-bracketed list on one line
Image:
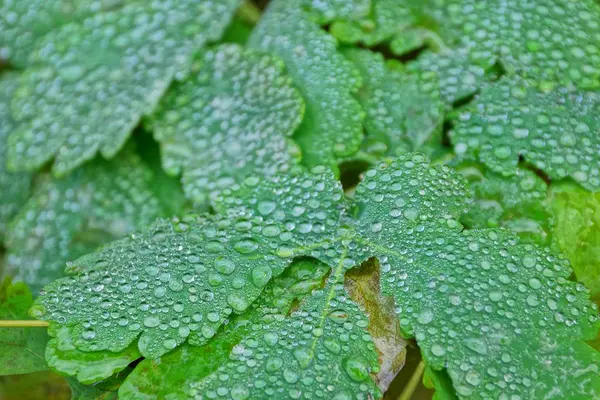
[(69, 217), (102, 75), (332, 124), (233, 117)]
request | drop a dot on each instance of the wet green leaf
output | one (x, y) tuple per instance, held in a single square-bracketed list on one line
[(14, 186), (233, 116), (480, 304), (22, 348), (94, 80), (332, 124), (71, 216), (554, 131)]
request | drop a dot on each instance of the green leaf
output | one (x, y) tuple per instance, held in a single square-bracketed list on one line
[(234, 116), (325, 11), (71, 216), (64, 357), (480, 304), (14, 187), (518, 202), (548, 43), (402, 114), (94, 80), (210, 267), (458, 76), (23, 22), (387, 19), (171, 375), (89, 392), (576, 232), (332, 124), (22, 348), (554, 131)]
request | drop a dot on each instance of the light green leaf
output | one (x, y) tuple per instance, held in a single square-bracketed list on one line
[(555, 131), (94, 80), (171, 375), (14, 186), (71, 216), (402, 114), (457, 75), (234, 116), (63, 357), (332, 125), (545, 42), (325, 11), (518, 202), (576, 232), (22, 348), (179, 281), (387, 19), (479, 303), (23, 22)]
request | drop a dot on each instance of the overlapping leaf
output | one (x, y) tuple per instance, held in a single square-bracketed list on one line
[(234, 116), (71, 216), (325, 11), (576, 232), (402, 114), (546, 42), (13, 186), (332, 124), (555, 131), (22, 348), (480, 304), (93, 80), (23, 22), (518, 202)]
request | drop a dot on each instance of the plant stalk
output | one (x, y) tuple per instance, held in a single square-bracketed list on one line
[(249, 12), (23, 324), (412, 384)]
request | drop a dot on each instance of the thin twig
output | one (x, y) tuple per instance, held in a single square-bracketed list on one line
[(23, 324), (412, 384)]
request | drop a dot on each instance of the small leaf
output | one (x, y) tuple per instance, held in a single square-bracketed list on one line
[(332, 125), (402, 114), (233, 117), (554, 131), (23, 22), (387, 19), (62, 356), (576, 232), (325, 11), (22, 348), (102, 75)]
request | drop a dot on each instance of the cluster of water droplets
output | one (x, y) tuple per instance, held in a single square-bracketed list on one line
[(479, 303), (322, 350), (540, 40), (23, 22), (71, 216), (402, 113), (97, 78), (14, 186), (332, 124), (232, 117), (518, 202), (555, 131), (326, 11)]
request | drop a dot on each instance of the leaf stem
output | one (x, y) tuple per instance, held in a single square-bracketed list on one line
[(23, 324), (249, 12), (412, 384)]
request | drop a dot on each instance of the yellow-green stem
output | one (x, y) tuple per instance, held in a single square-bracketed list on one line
[(412, 384), (249, 12), (23, 324)]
